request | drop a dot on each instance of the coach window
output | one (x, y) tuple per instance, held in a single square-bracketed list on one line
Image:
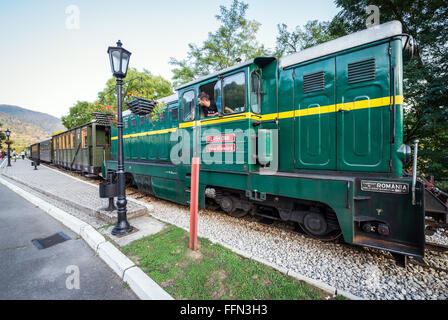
[(84, 138), (188, 105), (233, 93), (255, 93)]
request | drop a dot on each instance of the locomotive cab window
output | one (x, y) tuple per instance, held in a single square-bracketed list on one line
[(255, 92), (234, 93), (188, 105), (209, 90)]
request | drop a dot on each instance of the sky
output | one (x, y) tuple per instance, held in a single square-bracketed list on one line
[(54, 52)]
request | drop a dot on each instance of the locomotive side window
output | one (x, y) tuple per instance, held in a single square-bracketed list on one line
[(255, 91), (174, 114), (126, 123), (142, 121), (162, 116), (188, 105), (133, 122), (233, 93)]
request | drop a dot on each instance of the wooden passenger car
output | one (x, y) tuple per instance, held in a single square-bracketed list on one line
[(83, 148)]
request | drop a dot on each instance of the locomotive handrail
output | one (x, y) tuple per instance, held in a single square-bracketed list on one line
[(414, 171), (257, 123)]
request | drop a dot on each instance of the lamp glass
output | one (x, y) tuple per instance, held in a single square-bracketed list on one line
[(125, 62), (116, 61)]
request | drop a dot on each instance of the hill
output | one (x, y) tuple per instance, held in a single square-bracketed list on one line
[(42, 120), (22, 133)]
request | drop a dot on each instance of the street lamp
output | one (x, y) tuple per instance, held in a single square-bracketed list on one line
[(119, 61), (8, 134)]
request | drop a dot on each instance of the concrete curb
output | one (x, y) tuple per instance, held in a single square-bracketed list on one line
[(93, 238), (114, 258), (142, 285)]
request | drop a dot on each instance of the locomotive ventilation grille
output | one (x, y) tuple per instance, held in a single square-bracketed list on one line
[(313, 82), (360, 71)]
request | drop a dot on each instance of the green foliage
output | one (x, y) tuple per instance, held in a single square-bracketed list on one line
[(144, 83), (313, 33), (2, 136), (79, 114), (234, 41), (425, 76)]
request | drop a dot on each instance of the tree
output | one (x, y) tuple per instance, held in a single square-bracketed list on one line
[(2, 136), (313, 33), (233, 42), (425, 77), (144, 83), (79, 114)]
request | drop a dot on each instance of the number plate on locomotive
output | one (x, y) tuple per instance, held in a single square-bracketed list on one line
[(385, 186)]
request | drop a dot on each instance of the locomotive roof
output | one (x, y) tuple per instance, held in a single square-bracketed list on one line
[(171, 98), (260, 61), (372, 34)]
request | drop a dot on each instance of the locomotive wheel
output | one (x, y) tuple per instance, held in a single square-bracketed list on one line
[(238, 213), (315, 225), (227, 204)]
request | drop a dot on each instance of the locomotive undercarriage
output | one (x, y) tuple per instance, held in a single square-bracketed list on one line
[(315, 219)]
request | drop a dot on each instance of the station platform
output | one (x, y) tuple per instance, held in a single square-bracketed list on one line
[(64, 188)]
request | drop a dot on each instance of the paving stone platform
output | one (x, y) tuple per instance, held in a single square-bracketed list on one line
[(69, 190)]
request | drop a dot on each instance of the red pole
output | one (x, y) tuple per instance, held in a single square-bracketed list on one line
[(194, 203)]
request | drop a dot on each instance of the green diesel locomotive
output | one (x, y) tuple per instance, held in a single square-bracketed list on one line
[(315, 138)]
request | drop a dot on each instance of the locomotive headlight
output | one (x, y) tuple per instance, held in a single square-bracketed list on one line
[(404, 153), (410, 48)]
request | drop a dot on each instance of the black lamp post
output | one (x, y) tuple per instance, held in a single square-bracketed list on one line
[(8, 134), (119, 61)]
